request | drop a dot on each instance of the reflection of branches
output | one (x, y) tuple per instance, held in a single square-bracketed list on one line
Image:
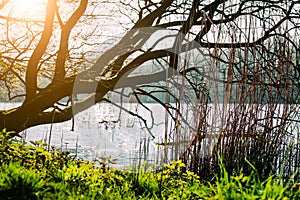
[(168, 107), (133, 114)]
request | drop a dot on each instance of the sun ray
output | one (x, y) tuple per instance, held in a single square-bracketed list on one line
[(27, 8)]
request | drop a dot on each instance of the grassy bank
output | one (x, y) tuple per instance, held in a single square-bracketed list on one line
[(31, 172)]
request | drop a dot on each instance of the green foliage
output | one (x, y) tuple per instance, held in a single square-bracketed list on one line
[(250, 187), (17, 182), (31, 172)]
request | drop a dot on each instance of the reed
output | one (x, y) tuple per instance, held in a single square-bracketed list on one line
[(250, 114)]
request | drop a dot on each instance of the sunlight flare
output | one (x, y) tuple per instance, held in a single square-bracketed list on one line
[(27, 8)]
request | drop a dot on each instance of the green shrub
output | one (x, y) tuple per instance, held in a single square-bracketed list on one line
[(18, 182), (31, 172)]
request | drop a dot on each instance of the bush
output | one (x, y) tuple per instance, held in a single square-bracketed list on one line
[(31, 172)]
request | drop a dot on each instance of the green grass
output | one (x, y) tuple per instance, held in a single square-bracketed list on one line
[(31, 172)]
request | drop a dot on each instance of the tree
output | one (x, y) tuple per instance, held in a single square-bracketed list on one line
[(247, 48)]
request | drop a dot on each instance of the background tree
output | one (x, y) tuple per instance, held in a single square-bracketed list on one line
[(247, 56)]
